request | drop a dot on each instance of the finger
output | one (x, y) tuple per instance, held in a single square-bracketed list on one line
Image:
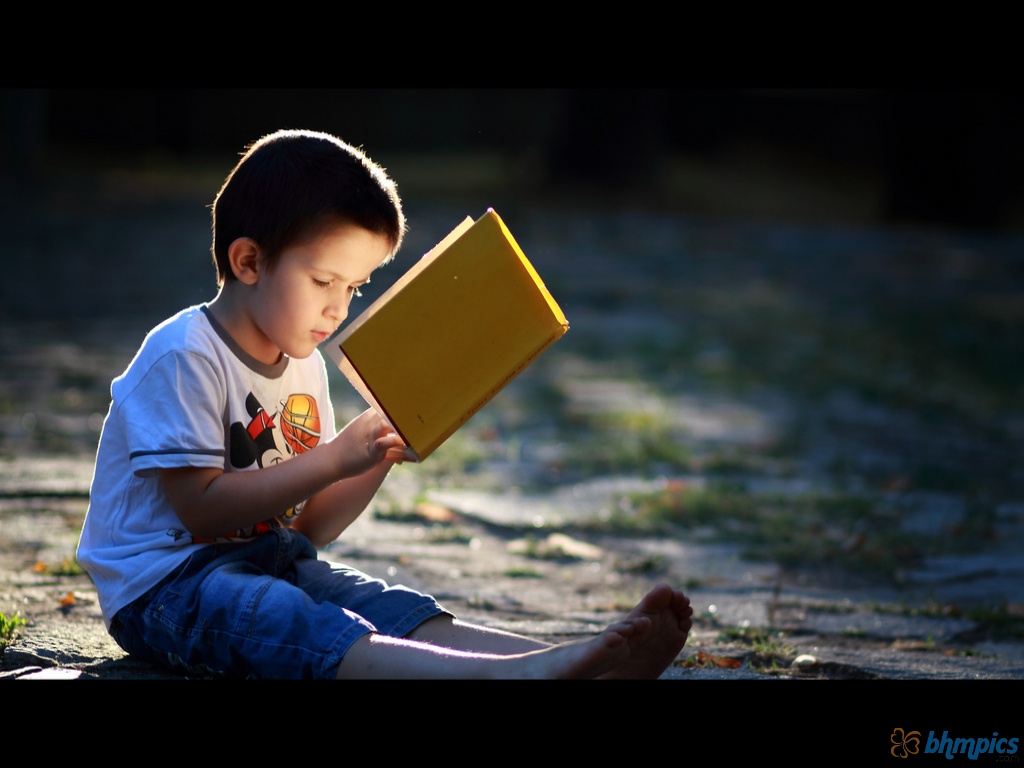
[(397, 455)]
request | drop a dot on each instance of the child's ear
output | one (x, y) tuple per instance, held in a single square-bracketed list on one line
[(244, 257)]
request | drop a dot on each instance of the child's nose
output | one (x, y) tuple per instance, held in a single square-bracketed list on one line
[(337, 310)]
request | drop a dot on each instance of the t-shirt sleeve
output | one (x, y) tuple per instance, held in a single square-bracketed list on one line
[(175, 415)]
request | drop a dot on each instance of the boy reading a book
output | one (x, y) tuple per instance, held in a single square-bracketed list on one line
[(219, 471)]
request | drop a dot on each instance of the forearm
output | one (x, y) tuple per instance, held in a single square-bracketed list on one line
[(214, 503), (211, 502), (328, 513)]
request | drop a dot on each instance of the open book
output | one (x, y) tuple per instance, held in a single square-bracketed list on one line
[(451, 333)]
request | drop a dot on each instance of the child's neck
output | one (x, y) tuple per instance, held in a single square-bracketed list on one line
[(231, 310)]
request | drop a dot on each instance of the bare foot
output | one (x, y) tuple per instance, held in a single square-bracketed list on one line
[(650, 652)]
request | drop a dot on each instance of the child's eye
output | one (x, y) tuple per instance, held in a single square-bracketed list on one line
[(321, 284)]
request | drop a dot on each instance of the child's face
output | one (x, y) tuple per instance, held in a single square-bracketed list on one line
[(306, 296)]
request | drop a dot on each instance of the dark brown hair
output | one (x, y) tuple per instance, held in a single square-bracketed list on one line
[(290, 185)]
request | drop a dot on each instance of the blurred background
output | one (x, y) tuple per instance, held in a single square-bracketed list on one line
[(810, 289), (796, 315), (846, 157), (894, 156)]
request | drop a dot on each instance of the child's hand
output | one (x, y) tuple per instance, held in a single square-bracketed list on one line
[(365, 442)]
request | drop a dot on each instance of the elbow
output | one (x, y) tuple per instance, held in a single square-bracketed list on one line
[(317, 537), (318, 543), (194, 526)]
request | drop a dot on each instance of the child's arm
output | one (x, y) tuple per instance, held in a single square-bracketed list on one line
[(211, 502), (335, 508)]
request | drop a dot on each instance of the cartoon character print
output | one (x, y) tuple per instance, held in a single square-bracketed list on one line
[(270, 438), (300, 423)]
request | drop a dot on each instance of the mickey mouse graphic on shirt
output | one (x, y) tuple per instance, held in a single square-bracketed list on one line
[(270, 438), (261, 442)]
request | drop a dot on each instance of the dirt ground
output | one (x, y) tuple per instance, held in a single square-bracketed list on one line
[(548, 583)]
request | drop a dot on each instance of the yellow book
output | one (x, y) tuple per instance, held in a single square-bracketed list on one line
[(450, 334)]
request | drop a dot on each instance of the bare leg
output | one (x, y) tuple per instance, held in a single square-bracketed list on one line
[(379, 656), (651, 652), (667, 614), (448, 632), (640, 646)]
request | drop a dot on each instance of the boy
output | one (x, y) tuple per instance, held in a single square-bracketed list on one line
[(219, 472)]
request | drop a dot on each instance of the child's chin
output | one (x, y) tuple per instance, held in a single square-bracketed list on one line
[(300, 351)]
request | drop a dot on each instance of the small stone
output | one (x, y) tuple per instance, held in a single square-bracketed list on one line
[(805, 660)]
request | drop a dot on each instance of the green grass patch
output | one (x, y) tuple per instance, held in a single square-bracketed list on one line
[(9, 626), (523, 573), (768, 647), (625, 442), (460, 455), (647, 565), (397, 514), (66, 567), (999, 622), (932, 354), (446, 534), (854, 533)]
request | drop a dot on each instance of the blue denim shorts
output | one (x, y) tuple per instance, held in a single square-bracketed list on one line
[(267, 608)]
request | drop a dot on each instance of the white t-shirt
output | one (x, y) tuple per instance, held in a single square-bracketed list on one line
[(190, 397)]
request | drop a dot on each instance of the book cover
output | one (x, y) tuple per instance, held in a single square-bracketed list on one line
[(451, 333)]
